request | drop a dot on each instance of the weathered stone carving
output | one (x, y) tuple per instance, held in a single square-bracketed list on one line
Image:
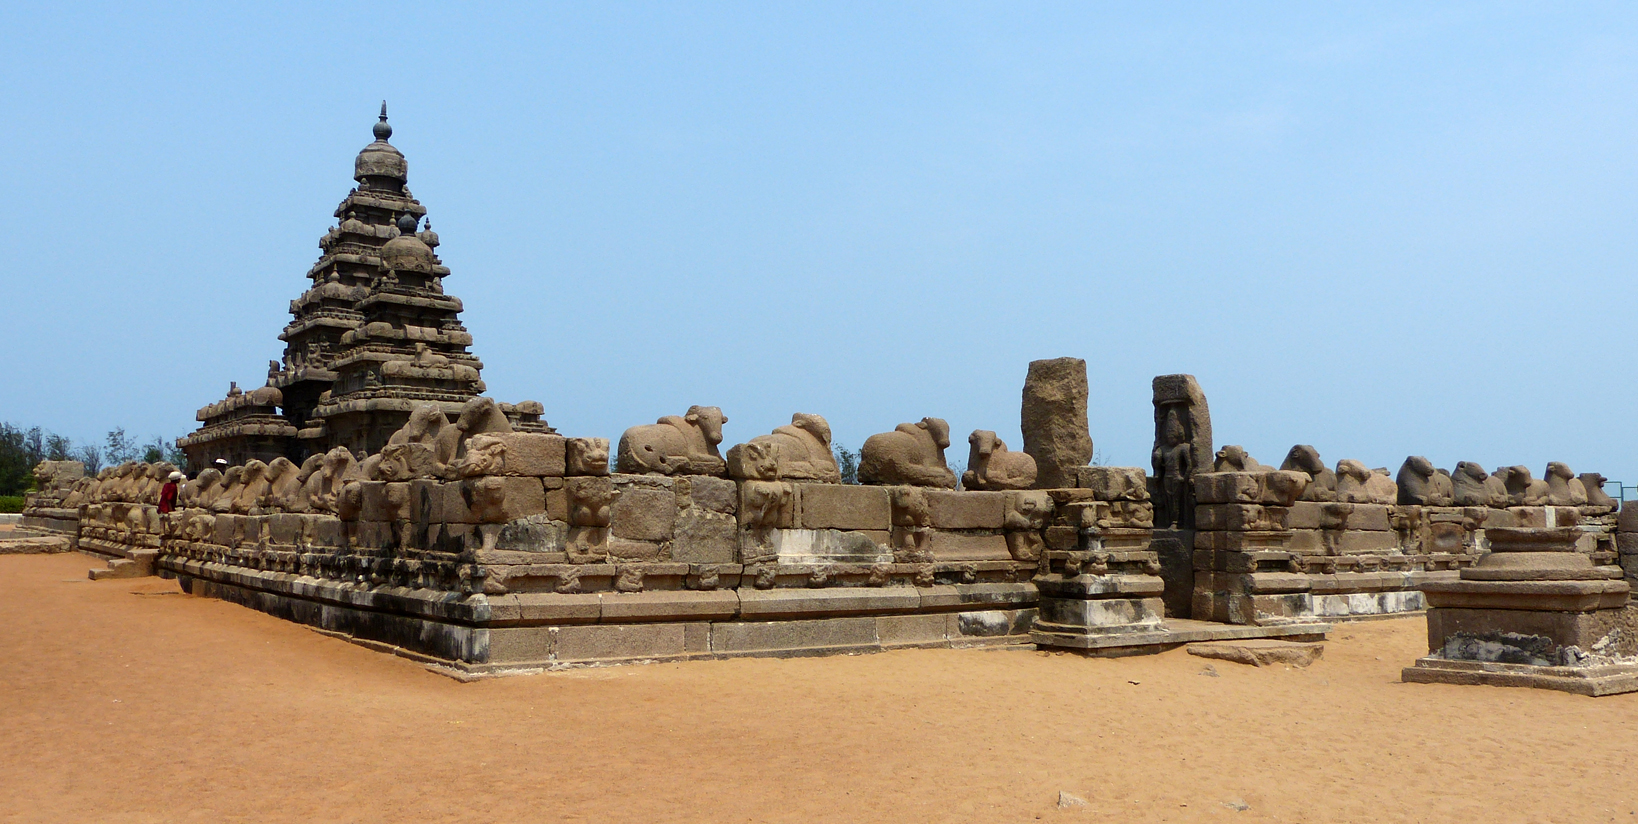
[(912, 454), (1053, 420), (232, 485), (675, 445), (587, 456), (324, 487), (1468, 484), (1182, 447), (253, 485), (1322, 484), (912, 521), (485, 455), (1522, 489), (1235, 459), (1593, 483), (1421, 484), (283, 488), (800, 450), (590, 500), (1358, 484), (991, 466), (1026, 515), (1563, 487), (754, 461), (765, 504)]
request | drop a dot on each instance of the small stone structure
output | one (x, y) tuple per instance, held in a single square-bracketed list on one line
[(1533, 612)]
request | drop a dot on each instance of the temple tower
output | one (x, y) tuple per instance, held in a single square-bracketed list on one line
[(375, 336)]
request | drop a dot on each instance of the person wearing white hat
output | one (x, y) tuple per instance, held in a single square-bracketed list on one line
[(167, 493)]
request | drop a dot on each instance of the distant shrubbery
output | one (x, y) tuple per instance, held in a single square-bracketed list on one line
[(11, 503), (21, 449)]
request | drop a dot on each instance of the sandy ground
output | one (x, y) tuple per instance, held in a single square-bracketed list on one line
[(124, 701)]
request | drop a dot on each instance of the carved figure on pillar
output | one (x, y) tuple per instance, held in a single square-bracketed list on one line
[(1182, 447)]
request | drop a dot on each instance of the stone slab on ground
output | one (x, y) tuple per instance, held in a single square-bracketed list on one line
[(1175, 632), (1261, 652), (33, 545), (1613, 679)]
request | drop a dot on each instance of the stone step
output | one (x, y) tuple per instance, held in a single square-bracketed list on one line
[(139, 565)]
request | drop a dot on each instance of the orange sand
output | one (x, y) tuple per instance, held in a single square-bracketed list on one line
[(123, 702)]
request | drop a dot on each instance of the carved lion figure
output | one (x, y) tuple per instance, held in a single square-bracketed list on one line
[(912, 454), (675, 445)]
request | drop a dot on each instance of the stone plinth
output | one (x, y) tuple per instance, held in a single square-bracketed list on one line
[(1535, 613)]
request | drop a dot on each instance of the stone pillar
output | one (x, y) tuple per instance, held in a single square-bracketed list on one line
[(1056, 432), (1533, 613)]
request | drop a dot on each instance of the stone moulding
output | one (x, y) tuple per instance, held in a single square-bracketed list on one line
[(477, 634)]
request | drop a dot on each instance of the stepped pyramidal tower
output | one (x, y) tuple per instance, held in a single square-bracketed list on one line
[(374, 337)]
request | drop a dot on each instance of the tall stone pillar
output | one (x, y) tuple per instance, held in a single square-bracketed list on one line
[(1056, 432)]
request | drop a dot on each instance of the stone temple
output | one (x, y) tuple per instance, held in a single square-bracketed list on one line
[(374, 337), (373, 491)]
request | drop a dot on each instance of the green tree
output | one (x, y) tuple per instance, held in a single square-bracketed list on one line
[(848, 462), (119, 447)]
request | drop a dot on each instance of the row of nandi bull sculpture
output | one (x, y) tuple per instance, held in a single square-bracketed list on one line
[(911, 455), (1420, 483)]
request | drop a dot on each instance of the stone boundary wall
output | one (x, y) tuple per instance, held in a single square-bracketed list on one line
[(1265, 556), (527, 565)]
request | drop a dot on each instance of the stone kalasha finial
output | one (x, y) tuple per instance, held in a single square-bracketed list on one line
[(383, 129), (406, 223)]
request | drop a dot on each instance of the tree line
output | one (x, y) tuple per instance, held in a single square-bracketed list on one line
[(21, 449)]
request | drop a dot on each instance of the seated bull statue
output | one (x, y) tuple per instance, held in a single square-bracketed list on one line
[(425, 446), (194, 493), (1322, 484), (1420, 484), (232, 484), (991, 466), (912, 454), (801, 452), (1596, 496), (1522, 489), (675, 445), (1358, 484), (1563, 487), (283, 487), (324, 487), (1234, 458), (253, 486)]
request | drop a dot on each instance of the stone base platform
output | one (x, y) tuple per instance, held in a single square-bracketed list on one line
[(477, 635), (53, 521), (1175, 632), (1610, 679)]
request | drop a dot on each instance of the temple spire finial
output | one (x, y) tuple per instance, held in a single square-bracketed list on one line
[(383, 130)]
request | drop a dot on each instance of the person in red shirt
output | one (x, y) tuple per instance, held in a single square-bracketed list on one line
[(167, 493)]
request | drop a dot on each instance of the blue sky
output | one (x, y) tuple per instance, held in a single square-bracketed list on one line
[(1385, 231)]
